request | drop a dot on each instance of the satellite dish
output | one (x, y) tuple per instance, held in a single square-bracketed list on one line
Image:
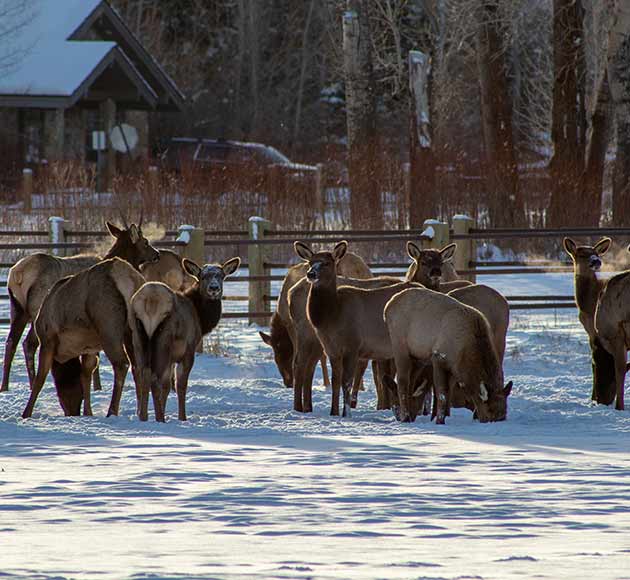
[(124, 138)]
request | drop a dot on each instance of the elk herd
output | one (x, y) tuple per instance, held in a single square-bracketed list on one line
[(435, 342)]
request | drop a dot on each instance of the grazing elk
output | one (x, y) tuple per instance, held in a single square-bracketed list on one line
[(612, 327), (81, 316), (495, 308), (281, 337), (433, 268), (33, 276), (348, 321), (587, 262), (428, 326), (169, 326)]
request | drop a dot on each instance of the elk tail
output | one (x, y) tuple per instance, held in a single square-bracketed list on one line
[(67, 378)]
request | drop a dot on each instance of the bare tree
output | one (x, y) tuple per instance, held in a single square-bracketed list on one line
[(14, 16)]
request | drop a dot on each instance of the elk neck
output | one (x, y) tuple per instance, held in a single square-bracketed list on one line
[(208, 310), (323, 302), (587, 289)]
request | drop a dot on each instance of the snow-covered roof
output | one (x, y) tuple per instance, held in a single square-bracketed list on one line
[(59, 59)]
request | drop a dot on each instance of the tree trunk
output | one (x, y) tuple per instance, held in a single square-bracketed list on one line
[(305, 59), (365, 198), (619, 78), (506, 205), (593, 177), (422, 203), (568, 117)]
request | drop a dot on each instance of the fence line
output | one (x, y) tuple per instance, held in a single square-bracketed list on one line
[(432, 234)]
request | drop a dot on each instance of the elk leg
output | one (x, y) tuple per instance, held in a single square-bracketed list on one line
[(377, 373), (88, 363), (45, 362), (183, 372), (19, 320), (404, 368), (325, 374), (349, 380), (440, 386), (307, 385), (96, 379), (337, 372), (357, 382), (619, 354), (29, 346)]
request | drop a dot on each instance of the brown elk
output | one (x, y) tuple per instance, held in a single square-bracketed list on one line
[(33, 276), (587, 262), (495, 308), (428, 326), (169, 326), (348, 321), (612, 327), (433, 269), (282, 336), (308, 349), (94, 319)]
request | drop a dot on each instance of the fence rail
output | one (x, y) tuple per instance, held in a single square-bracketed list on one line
[(260, 237)]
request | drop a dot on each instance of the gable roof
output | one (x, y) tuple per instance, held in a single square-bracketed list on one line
[(68, 45)]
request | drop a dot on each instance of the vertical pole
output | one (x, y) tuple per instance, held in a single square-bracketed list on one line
[(194, 249), (466, 249), (57, 234), (258, 289), (27, 188), (320, 193)]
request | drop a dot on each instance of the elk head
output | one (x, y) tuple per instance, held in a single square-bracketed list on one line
[(490, 404), (417, 401), (587, 259), (426, 267), (131, 245), (280, 341), (211, 276), (322, 265)]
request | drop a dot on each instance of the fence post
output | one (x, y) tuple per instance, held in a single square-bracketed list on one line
[(439, 232), (57, 234), (27, 188), (194, 249), (153, 179), (466, 249), (320, 192), (256, 255)]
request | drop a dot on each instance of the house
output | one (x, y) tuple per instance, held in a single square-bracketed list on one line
[(78, 69)]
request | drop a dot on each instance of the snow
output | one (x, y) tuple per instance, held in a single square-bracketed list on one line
[(52, 65), (428, 232), (249, 489)]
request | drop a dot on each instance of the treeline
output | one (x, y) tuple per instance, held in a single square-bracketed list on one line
[(525, 96)]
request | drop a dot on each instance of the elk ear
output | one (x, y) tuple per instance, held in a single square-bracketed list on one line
[(265, 338), (390, 384), (303, 251), (413, 251), (602, 246), (113, 230), (191, 268), (231, 266), (447, 252), (569, 246), (134, 233), (340, 250), (507, 390)]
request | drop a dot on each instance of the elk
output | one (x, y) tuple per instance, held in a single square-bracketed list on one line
[(432, 268), (496, 310), (587, 262), (95, 318), (282, 337), (308, 349), (428, 326), (612, 327), (33, 276), (348, 321), (169, 326)]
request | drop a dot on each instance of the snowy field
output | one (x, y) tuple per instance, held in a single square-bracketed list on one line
[(249, 489)]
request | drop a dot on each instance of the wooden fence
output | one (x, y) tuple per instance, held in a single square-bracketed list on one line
[(259, 237)]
